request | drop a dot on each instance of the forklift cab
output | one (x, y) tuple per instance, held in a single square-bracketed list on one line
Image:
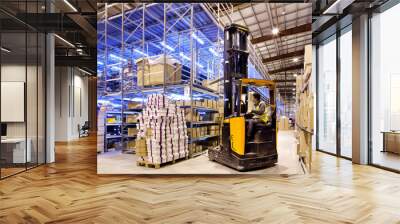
[(239, 152), (264, 135), (261, 128)]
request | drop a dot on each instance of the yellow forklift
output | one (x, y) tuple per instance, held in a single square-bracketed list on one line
[(237, 150)]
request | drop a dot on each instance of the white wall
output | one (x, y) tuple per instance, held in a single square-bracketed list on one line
[(71, 102), (14, 73), (17, 73), (62, 82), (33, 126), (80, 105)]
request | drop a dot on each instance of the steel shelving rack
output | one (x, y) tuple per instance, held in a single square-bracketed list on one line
[(182, 32)]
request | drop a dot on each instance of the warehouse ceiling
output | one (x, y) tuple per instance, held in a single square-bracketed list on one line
[(282, 53)]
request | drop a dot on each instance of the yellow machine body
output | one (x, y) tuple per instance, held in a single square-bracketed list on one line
[(237, 150), (237, 134)]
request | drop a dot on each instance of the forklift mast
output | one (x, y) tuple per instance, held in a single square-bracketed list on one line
[(235, 67), (237, 150)]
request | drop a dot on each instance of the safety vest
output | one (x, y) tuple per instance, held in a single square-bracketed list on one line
[(266, 116)]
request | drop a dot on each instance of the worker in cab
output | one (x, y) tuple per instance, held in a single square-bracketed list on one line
[(260, 115)]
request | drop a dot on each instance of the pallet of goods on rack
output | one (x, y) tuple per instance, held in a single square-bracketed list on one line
[(180, 89), (130, 114), (178, 59), (100, 130), (160, 70)]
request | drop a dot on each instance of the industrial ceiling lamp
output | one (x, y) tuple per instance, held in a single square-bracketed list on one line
[(337, 7), (85, 72), (70, 5), (295, 59), (64, 40), (275, 31), (5, 50)]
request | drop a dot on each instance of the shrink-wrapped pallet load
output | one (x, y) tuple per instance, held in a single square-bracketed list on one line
[(154, 71), (163, 125)]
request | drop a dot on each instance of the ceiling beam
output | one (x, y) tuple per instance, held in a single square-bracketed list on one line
[(284, 56), (293, 67), (282, 33), (79, 61)]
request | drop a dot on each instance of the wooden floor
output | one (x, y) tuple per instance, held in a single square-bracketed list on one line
[(70, 191)]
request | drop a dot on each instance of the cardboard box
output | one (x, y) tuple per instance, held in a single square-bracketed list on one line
[(188, 114), (197, 103), (134, 105), (180, 103), (141, 148), (131, 145), (307, 55), (208, 103), (204, 103), (132, 131), (211, 84), (131, 118), (283, 123), (155, 74)]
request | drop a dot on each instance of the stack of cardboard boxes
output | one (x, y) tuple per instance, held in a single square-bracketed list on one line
[(134, 105), (132, 118), (101, 129), (212, 84), (163, 125), (283, 123), (153, 72), (198, 132), (305, 109)]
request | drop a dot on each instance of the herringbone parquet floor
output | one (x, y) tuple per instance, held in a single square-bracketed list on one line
[(69, 191)]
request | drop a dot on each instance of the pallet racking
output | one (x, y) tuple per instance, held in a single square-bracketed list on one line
[(128, 40)]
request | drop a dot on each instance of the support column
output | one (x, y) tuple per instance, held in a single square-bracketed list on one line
[(50, 92), (50, 99), (360, 89)]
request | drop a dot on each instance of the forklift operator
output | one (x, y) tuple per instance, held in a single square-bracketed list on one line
[(261, 114)]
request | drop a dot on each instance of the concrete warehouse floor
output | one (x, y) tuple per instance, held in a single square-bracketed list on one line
[(118, 163)]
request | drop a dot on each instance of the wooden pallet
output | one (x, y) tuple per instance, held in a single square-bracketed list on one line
[(157, 165)]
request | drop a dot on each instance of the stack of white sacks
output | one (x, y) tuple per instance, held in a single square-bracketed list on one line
[(163, 126)]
